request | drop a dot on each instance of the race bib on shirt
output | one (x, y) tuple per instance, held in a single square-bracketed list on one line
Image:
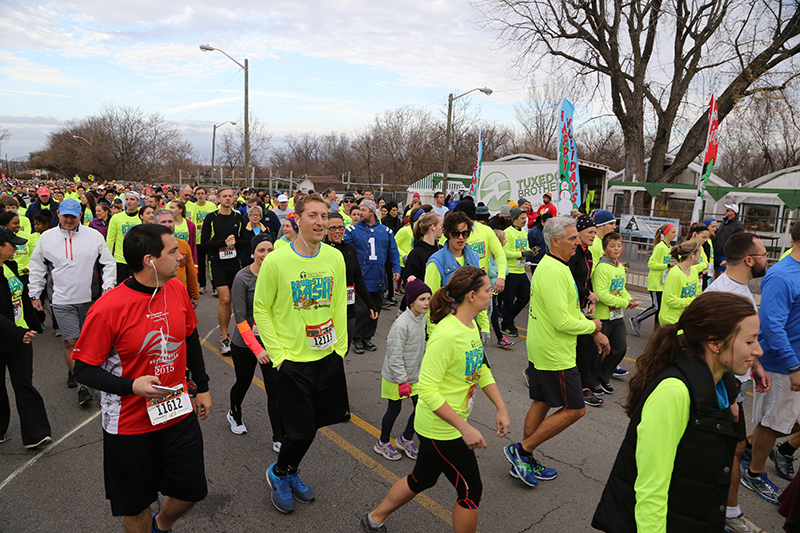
[(17, 305), (520, 261), (161, 410), (615, 313), (351, 294), (471, 397), (229, 252), (322, 336)]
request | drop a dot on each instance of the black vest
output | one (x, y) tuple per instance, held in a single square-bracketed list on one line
[(698, 489)]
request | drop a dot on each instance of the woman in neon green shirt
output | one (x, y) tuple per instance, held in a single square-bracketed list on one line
[(672, 472), (682, 284), (452, 370), (658, 265)]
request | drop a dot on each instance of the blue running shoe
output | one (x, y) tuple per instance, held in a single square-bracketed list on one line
[(301, 491), (542, 472), (783, 464), (281, 490), (520, 464), (155, 527), (761, 485)]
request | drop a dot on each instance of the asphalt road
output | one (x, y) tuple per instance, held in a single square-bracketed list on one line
[(61, 488)]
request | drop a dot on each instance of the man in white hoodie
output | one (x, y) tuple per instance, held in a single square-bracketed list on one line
[(69, 253)]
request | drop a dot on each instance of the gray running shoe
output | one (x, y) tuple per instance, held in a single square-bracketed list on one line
[(637, 328), (367, 528), (387, 450), (407, 446), (761, 485), (741, 525), (784, 464)]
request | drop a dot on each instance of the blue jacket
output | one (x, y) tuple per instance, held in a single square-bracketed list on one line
[(375, 246), (36, 207), (780, 318), (536, 238), (447, 263)]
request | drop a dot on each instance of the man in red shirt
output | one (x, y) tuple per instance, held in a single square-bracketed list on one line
[(548, 206), (142, 337)]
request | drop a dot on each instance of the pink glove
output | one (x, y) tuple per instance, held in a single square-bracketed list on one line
[(405, 389)]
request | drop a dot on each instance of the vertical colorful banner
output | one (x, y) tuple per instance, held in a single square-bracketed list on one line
[(569, 187), (709, 159), (476, 170)]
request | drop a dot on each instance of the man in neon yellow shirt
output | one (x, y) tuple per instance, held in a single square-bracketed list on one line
[(555, 321), (300, 309), (517, 291), (118, 227)]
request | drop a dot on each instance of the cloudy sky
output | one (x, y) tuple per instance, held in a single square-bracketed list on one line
[(314, 65)]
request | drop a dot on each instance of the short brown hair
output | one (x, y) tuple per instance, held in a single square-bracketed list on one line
[(301, 200)]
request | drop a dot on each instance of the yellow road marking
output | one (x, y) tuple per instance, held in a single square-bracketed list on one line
[(359, 455)]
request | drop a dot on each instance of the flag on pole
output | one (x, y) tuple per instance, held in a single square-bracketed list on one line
[(709, 159), (569, 182), (476, 171)]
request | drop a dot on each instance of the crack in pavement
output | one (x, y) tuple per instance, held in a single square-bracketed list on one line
[(544, 516)]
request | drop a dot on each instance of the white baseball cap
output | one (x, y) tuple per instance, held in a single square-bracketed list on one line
[(283, 198), (732, 207)]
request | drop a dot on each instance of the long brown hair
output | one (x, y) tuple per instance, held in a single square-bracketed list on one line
[(699, 324), (466, 279)]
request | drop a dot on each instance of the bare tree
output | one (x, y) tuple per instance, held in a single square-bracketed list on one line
[(230, 145), (5, 135), (538, 116), (649, 53)]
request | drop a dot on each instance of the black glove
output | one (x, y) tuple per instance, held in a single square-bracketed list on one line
[(528, 254)]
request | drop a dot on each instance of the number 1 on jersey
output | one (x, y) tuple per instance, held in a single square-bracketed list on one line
[(372, 255)]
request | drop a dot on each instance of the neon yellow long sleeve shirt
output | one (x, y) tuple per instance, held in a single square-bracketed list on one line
[(555, 319), (300, 305), (658, 263), (665, 416), (118, 226), (608, 282), (516, 243), (680, 290)]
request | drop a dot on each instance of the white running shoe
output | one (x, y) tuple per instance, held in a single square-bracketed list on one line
[(236, 423)]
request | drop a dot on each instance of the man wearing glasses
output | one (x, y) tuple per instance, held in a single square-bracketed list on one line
[(354, 278)]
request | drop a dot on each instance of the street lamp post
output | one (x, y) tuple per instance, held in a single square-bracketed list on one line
[(245, 67), (485, 90), (214, 147)]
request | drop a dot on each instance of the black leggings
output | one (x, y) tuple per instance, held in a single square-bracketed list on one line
[(516, 295), (655, 297), (497, 309), (392, 412), (292, 452), (244, 364), (456, 461)]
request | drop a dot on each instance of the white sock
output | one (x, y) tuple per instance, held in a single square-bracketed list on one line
[(373, 523), (733, 512)]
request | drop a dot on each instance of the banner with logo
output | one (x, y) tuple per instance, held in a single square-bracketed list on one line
[(568, 174), (476, 171), (709, 159), (642, 226)]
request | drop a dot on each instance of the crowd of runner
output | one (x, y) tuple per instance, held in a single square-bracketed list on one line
[(305, 276)]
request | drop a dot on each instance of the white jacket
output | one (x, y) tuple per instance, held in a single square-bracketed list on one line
[(70, 257), (405, 347)]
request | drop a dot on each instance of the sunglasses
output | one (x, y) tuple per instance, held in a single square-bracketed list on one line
[(464, 234), (335, 228), (347, 201)]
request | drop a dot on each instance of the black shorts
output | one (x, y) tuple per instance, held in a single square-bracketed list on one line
[(456, 461), (223, 272), (558, 388), (168, 460), (740, 427), (312, 395)]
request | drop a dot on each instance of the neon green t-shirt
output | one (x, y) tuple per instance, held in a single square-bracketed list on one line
[(24, 222), (16, 287), (596, 248), (118, 226), (680, 290), (182, 231), (516, 243), (22, 254), (300, 305), (452, 370), (199, 214), (485, 243), (658, 263), (554, 317), (786, 253), (87, 217), (280, 243), (608, 282), (405, 241)]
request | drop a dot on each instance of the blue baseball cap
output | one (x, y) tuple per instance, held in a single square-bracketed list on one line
[(69, 207), (603, 217)]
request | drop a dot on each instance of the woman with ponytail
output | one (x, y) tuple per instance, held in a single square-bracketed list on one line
[(681, 287), (672, 473), (658, 265), (453, 368)]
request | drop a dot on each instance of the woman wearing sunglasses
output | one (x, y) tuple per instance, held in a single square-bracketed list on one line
[(452, 256)]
